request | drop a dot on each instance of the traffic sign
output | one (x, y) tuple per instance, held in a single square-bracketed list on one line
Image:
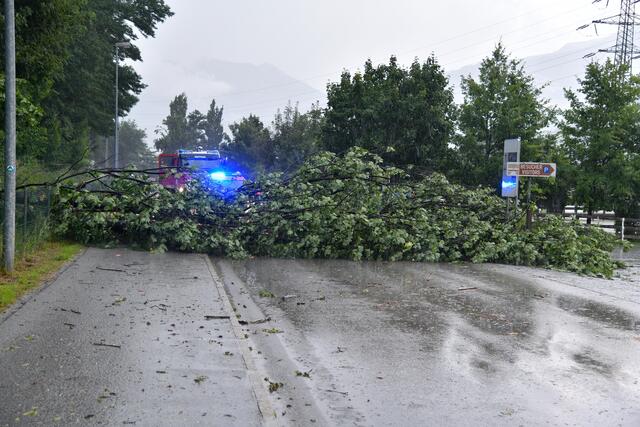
[(539, 170), (511, 154)]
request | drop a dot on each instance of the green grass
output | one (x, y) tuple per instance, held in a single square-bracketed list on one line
[(34, 269)]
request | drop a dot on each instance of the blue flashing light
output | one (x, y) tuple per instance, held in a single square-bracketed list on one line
[(509, 186), (218, 176), (509, 182)]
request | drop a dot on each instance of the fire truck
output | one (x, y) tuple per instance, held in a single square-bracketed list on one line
[(181, 167)]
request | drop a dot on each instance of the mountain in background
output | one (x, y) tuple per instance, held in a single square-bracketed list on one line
[(245, 89), (558, 70), (241, 88)]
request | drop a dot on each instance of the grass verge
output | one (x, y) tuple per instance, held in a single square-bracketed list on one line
[(34, 269)]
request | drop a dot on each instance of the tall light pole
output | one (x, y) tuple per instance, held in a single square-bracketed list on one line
[(119, 45), (9, 238)]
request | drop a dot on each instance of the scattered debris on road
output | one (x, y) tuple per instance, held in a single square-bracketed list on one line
[(200, 379), (306, 374), (118, 270), (119, 300), (72, 311), (216, 317), (344, 393), (273, 386), (101, 344), (266, 294), (31, 413)]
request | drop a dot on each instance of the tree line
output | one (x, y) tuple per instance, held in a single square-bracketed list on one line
[(408, 116), (65, 65), (405, 114)]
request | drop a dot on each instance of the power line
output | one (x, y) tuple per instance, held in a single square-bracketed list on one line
[(624, 50), (235, 108), (430, 47)]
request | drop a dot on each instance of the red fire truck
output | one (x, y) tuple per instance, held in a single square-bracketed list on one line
[(210, 163)]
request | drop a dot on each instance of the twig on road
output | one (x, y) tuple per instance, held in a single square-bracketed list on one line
[(101, 344), (111, 269), (72, 311), (344, 393)]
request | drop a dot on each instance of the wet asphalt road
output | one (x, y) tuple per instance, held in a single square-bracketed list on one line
[(407, 344), (120, 338)]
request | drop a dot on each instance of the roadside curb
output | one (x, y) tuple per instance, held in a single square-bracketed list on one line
[(22, 301), (257, 385)]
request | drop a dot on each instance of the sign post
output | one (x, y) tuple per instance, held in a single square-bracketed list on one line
[(509, 184), (531, 170)]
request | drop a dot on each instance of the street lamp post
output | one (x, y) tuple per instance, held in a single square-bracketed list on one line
[(118, 45), (9, 236)]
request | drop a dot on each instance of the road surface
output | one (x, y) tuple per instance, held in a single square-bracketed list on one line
[(132, 338), (402, 344), (121, 338)]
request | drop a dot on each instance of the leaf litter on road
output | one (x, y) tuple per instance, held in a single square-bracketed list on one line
[(304, 374), (200, 379), (273, 386)]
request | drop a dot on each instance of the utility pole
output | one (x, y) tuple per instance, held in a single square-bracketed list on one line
[(117, 130), (9, 238), (624, 50)]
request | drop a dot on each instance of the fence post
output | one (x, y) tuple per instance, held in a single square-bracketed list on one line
[(48, 200), (622, 229), (25, 219)]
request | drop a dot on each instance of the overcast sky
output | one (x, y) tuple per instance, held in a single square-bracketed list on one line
[(313, 40)]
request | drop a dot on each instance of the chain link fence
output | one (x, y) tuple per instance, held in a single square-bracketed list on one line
[(33, 207)]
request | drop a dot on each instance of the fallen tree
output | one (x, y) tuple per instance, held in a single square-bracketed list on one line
[(349, 207)]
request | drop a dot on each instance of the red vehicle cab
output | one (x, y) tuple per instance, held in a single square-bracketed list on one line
[(210, 162)]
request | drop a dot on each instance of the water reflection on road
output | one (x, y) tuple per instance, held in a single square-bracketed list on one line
[(462, 344)]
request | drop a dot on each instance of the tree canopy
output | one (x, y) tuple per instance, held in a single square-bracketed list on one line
[(601, 130), (405, 115), (190, 131), (65, 57), (504, 102), (250, 146)]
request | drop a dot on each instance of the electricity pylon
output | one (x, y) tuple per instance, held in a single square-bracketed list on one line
[(625, 50)]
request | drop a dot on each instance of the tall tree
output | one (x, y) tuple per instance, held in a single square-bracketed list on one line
[(190, 130), (404, 115), (86, 91), (503, 103), (177, 133), (212, 126), (44, 34), (296, 136), (251, 146), (133, 150), (65, 63), (601, 129)]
